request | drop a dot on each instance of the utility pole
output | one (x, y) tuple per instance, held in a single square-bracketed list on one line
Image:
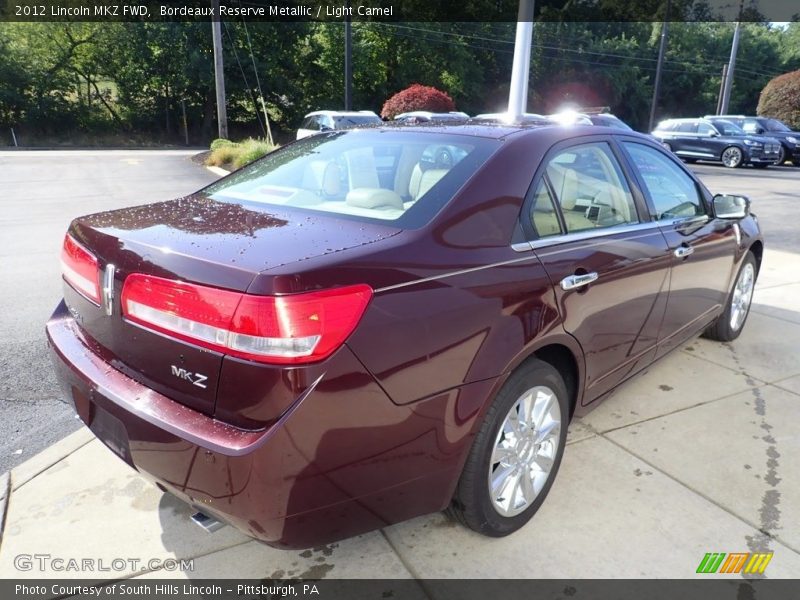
[(348, 60), (520, 69), (726, 91), (662, 47), (722, 88), (219, 73)]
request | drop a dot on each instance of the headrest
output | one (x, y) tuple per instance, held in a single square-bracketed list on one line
[(374, 198)]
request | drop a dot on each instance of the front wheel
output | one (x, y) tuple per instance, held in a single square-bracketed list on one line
[(516, 454), (781, 156), (730, 323), (732, 157)]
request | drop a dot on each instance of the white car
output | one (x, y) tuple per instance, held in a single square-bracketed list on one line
[(424, 116), (328, 120), (505, 117)]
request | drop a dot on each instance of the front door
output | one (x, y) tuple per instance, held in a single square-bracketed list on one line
[(608, 266), (702, 248)]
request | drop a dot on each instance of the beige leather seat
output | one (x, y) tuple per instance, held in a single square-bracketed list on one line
[(322, 177), (422, 181)]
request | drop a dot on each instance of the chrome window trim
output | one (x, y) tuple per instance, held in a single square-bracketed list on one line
[(592, 234)]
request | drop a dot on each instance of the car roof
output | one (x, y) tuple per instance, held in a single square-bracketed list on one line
[(500, 131)]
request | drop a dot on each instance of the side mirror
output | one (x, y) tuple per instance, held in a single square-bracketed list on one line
[(325, 128), (760, 130), (714, 134), (728, 206)]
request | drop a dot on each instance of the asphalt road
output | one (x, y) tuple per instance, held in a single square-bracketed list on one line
[(42, 191)]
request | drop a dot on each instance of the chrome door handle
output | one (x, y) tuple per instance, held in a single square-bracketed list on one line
[(683, 251), (572, 282)]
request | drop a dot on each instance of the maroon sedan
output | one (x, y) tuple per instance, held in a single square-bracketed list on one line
[(370, 325)]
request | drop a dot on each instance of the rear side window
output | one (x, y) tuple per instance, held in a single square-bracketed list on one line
[(590, 187), (397, 176), (673, 192), (544, 216)]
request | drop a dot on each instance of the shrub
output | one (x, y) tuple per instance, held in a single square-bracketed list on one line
[(780, 99), (237, 154), (417, 97), (220, 143)]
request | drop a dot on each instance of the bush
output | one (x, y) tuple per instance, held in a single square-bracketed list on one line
[(780, 99), (220, 143), (417, 97), (235, 155)]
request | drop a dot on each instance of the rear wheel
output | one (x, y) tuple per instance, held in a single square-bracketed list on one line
[(730, 323), (732, 157), (516, 454)]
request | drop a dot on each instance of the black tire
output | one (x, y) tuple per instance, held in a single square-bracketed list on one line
[(722, 330), (796, 163), (732, 157), (781, 156), (472, 505)]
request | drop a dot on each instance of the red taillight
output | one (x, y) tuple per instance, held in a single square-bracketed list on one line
[(79, 267), (296, 328)]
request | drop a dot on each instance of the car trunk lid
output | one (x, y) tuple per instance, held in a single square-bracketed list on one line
[(198, 241)]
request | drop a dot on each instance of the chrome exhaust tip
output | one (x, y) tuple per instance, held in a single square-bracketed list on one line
[(206, 523)]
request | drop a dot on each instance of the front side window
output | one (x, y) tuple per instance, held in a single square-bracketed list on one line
[(674, 193), (687, 127), (396, 176), (728, 128), (590, 187), (705, 129)]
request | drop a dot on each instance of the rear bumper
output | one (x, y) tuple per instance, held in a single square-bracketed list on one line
[(342, 460)]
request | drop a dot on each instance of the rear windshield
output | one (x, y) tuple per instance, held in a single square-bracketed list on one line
[(375, 175)]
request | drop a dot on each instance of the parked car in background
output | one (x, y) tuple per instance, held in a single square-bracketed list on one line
[(424, 116), (720, 141), (504, 117), (329, 120), (324, 343), (609, 120), (569, 117), (789, 139)]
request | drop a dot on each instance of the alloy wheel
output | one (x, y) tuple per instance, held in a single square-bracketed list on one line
[(742, 296), (732, 157), (524, 451)]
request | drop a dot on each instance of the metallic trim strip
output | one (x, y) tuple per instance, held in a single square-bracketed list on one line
[(522, 247), (531, 257), (594, 234)]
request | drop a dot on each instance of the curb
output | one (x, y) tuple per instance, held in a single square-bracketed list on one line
[(219, 171), (5, 496), (39, 463)]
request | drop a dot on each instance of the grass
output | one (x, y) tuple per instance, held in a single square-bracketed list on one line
[(234, 155)]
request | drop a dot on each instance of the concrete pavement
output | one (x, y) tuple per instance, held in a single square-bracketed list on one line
[(699, 455)]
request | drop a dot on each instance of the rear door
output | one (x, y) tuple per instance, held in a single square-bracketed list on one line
[(607, 263), (701, 248)]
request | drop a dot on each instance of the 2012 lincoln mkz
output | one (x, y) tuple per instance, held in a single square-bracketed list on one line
[(369, 325)]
